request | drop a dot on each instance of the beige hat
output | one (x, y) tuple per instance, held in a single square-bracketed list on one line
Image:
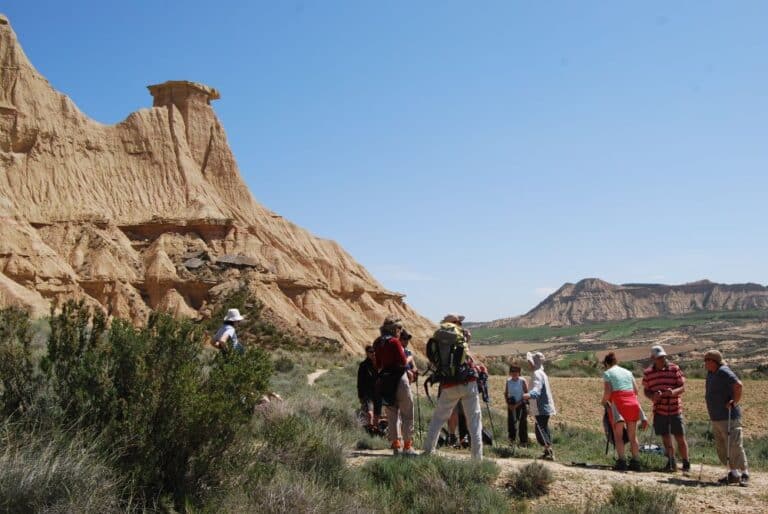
[(233, 315), (714, 355), (453, 318), (657, 351)]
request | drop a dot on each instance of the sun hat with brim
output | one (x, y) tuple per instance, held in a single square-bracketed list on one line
[(452, 318), (657, 351), (714, 355), (233, 315)]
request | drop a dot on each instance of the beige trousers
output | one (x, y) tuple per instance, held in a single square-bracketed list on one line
[(404, 407), (737, 457)]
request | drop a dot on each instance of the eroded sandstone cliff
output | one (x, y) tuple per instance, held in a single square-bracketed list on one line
[(594, 300), (152, 213)]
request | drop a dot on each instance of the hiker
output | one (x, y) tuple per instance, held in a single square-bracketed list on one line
[(620, 393), (370, 403), (457, 373), (393, 386), (517, 410), (543, 406), (664, 385), (228, 334), (723, 394), (410, 366)]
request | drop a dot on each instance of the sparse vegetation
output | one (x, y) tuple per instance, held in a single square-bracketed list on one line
[(633, 499), (530, 481)]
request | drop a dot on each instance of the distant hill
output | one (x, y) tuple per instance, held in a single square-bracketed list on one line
[(593, 300)]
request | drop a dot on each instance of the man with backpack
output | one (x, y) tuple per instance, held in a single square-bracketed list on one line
[(454, 369), (393, 386)]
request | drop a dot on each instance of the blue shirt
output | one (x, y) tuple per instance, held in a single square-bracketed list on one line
[(719, 391)]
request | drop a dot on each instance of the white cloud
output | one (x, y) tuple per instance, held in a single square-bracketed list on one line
[(543, 292)]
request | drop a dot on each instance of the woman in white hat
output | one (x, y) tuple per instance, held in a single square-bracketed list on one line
[(227, 334)]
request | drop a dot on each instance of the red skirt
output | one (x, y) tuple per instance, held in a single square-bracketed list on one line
[(627, 405)]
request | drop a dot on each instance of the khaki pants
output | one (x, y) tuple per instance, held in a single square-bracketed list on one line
[(449, 397), (738, 459), (404, 407)]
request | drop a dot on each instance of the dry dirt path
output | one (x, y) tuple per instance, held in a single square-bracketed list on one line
[(315, 375), (582, 486)]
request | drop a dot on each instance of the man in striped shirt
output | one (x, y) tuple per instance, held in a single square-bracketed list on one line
[(664, 384)]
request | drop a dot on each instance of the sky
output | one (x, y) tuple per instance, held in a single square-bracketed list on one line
[(472, 155)]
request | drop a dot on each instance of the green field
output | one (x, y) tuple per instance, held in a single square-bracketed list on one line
[(611, 330)]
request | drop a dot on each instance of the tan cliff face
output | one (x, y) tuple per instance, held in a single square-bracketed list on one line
[(152, 213), (593, 300)]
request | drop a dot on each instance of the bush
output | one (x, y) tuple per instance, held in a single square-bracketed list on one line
[(165, 413), (18, 381), (433, 484), (54, 472), (530, 481), (634, 499)]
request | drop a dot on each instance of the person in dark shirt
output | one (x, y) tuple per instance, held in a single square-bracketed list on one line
[(370, 403), (723, 394)]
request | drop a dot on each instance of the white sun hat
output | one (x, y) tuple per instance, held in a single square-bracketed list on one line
[(233, 315)]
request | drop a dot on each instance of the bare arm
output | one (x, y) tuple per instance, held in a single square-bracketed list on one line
[(607, 390), (737, 390)]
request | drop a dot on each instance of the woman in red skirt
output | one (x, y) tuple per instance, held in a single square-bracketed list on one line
[(620, 391)]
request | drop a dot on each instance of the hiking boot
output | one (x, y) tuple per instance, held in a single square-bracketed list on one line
[(453, 441), (634, 465), (621, 465), (744, 481), (729, 479), (396, 448), (548, 454), (671, 466), (686, 466)]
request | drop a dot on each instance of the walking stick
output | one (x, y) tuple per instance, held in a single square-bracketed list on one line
[(728, 443), (418, 413)]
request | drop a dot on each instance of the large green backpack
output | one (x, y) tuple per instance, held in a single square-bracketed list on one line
[(447, 352)]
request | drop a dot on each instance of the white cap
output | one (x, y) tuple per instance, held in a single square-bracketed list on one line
[(657, 351), (233, 315)]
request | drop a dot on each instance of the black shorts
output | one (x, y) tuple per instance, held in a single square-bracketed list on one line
[(663, 424)]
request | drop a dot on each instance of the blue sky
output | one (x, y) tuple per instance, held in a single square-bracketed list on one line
[(474, 156)]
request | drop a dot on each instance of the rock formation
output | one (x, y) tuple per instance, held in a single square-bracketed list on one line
[(594, 300), (152, 213)]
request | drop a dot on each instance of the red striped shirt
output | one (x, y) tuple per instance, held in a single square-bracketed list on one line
[(669, 377)]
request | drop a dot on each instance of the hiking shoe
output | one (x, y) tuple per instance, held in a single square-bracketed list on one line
[(730, 478), (671, 466), (409, 452), (744, 481), (634, 465), (621, 465), (396, 448), (686, 466), (548, 454)]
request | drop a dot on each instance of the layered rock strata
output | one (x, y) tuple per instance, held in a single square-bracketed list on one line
[(152, 213), (594, 300)]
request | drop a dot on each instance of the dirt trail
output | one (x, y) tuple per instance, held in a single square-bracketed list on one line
[(581, 486), (315, 375)]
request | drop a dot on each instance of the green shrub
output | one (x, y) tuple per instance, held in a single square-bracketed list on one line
[(530, 481), (634, 499), (54, 472), (284, 364), (433, 484), (165, 413), (18, 381)]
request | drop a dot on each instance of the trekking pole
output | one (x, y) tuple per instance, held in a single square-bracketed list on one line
[(728, 443), (418, 413), (701, 466)]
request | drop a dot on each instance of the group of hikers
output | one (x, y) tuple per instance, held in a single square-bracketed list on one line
[(386, 375)]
